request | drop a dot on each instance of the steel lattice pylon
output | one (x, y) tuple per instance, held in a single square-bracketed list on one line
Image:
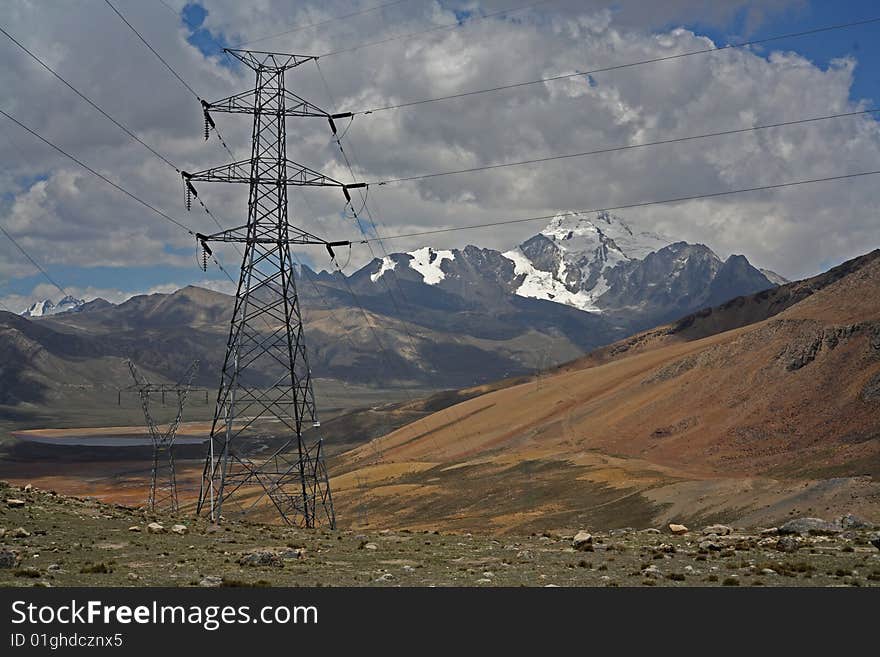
[(266, 375), (163, 480)]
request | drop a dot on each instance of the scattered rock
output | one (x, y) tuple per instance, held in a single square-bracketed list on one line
[(14, 503), (19, 532), (770, 531), (8, 559), (484, 580), (788, 544), (385, 577), (582, 541), (211, 581), (809, 526), (54, 567), (134, 528), (298, 553), (2, 533), (261, 558), (371, 546), (133, 576), (651, 571), (650, 530), (179, 529), (849, 521), (876, 542), (678, 529), (28, 488), (156, 528), (718, 530), (712, 546), (768, 571)]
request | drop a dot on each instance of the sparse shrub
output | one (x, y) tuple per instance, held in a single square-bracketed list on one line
[(676, 577), (26, 572), (712, 578), (730, 581), (96, 568), (648, 582)]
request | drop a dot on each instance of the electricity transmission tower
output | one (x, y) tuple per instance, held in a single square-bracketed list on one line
[(266, 376), (163, 481)]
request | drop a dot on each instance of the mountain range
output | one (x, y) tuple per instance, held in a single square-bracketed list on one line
[(437, 318), (754, 411)]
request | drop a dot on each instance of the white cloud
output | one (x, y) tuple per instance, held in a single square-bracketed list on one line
[(68, 217)]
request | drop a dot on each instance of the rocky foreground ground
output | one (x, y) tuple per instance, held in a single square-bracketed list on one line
[(50, 540)]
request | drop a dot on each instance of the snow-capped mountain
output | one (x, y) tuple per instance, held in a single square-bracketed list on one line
[(594, 263), (47, 307), (567, 261)]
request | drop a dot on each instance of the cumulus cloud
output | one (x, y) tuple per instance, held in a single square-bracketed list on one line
[(64, 216)]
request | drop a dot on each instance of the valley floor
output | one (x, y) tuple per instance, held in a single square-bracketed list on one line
[(50, 540)]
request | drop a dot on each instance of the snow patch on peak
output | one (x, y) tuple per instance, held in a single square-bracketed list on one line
[(581, 233), (387, 264), (46, 307), (427, 262), (538, 284)]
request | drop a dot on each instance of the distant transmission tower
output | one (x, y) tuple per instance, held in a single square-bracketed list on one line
[(163, 480), (266, 375)]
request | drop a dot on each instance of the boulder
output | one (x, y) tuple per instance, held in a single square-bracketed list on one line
[(261, 558), (788, 544), (297, 553), (8, 559), (156, 528), (678, 529), (14, 503), (371, 546), (179, 529), (718, 530), (581, 540), (849, 521), (809, 526)]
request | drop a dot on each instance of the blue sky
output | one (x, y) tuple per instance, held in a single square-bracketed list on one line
[(860, 43)]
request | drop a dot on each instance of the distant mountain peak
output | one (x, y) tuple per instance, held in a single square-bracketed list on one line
[(566, 262), (47, 307)]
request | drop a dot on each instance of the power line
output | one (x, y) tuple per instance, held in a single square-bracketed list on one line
[(436, 28), (173, 72), (88, 100), (616, 149), (126, 131), (628, 206), (320, 23), (565, 76), (153, 50), (32, 260), (99, 175)]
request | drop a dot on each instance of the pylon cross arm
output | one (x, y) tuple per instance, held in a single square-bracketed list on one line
[(247, 102), (265, 171)]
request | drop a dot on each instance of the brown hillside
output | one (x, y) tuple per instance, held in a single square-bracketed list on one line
[(753, 408)]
